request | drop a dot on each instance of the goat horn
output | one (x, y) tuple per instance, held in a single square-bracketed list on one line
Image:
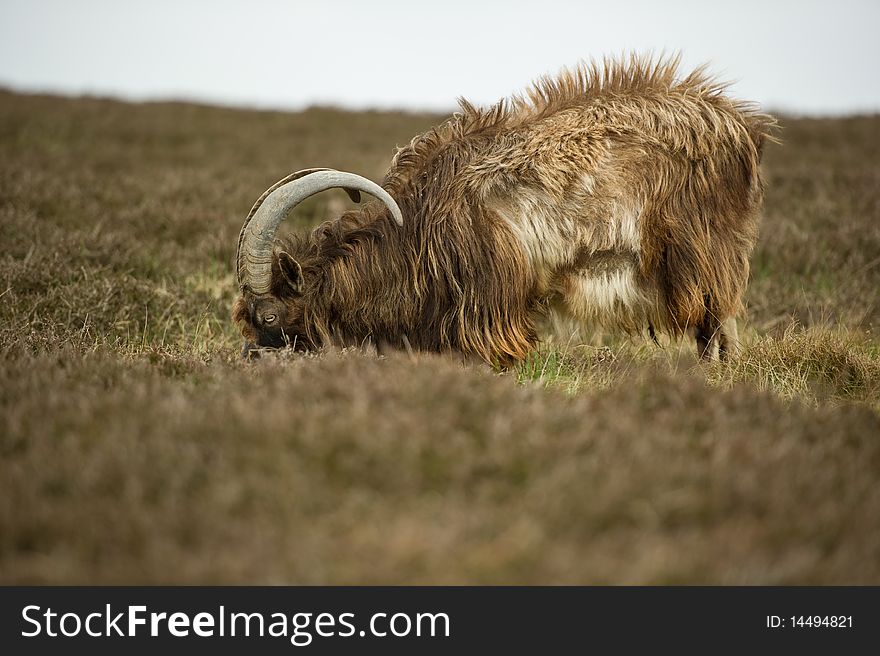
[(254, 258)]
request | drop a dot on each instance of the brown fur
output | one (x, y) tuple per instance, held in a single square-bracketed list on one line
[(504, 209)]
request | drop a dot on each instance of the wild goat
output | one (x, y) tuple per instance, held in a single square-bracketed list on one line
[(619, 194)]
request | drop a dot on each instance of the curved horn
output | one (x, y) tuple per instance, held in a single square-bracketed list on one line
[(254, 258)]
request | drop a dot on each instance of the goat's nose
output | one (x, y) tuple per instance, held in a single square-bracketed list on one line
[(249, 351)]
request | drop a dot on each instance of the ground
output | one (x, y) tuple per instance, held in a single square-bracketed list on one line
[(135, 447)]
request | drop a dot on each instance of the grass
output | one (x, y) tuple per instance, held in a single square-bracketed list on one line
[(136, 448)]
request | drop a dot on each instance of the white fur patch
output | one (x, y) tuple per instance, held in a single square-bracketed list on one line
[(589, 183), (595, 296), (624, 229), (547, 236), (554, 234)]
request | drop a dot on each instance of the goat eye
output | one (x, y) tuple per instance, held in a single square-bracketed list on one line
[(269, 318)]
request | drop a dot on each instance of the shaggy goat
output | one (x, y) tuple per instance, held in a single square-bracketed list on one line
[(620, 195)]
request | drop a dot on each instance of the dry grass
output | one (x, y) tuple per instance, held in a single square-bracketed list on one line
[(136, 447)]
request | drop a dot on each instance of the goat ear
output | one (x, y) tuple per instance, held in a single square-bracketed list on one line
[(292, 271)]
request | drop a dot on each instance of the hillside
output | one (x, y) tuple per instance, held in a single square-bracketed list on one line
[(137, 448)]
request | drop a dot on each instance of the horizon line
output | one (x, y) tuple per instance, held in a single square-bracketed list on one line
[(220, 102)]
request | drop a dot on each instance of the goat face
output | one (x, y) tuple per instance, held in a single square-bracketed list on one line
[(270, 311), (275, 320)]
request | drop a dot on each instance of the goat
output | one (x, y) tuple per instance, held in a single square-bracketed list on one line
[(619, 194)]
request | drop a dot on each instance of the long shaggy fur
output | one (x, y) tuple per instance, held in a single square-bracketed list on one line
[(618, 193)]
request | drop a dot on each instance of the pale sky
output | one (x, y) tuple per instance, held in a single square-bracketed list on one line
[(809, 57)]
